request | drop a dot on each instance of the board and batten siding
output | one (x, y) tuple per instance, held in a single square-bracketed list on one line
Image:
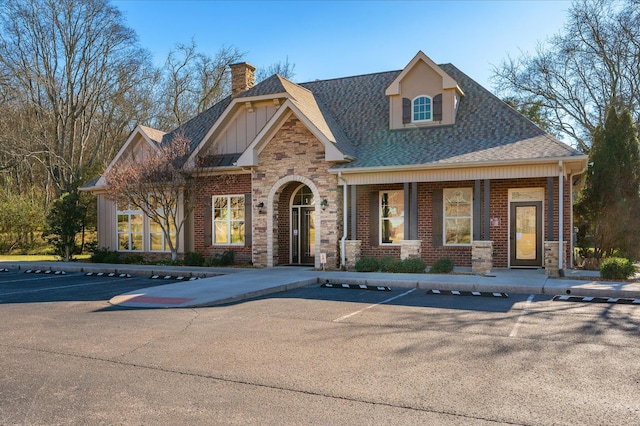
[(106, 223), (243, 128)]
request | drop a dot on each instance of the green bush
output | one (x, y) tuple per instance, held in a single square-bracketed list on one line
[(616, 268), (390, 264), (104, 255), (367, 264), (133, 259), (225, 259), (194, 259), (442, 266), (413, 265)]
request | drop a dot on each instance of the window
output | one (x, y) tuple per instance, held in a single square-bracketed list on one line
[(157, 239), (228, 219), (422, 109), (129, 227), (457, 216), (391, 217)]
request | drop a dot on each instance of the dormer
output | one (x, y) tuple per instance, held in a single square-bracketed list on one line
[(422, 95)]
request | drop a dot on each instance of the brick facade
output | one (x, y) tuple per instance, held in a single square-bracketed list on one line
[(208, 186)]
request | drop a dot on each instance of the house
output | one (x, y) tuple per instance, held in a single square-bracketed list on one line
[(417, 162)]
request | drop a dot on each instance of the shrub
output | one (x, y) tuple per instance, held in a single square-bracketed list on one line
[(225, 259), (413, 265), (442, 266), (133, 259), (194, 259), (367, 264), (616, 268), (390, 264), (104, 255)]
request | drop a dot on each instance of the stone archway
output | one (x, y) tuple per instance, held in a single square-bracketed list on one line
[(271, 206)]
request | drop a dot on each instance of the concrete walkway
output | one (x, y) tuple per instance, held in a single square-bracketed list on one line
[(217, 286)]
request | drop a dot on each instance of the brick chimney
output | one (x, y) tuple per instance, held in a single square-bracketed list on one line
[(242, 77)]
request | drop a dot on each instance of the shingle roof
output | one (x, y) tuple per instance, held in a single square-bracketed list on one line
[(355, 112), (486, 129)]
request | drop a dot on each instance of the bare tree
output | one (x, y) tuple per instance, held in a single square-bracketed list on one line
[(284, 68), (67, 63), (577, 74), (193, 82), (155, 182)]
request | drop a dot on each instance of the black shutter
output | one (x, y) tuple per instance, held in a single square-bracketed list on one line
[(374, 219), (437, 217), (248, 213), (208, 234), (437, 107), (406, 110)]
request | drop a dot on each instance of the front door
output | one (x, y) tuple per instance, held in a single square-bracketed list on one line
[(525, 233), (303, 236)]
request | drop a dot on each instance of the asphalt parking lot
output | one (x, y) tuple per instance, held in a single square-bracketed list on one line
[(45, 286), (312, 355)]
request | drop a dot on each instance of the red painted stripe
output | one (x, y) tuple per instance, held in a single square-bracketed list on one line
[(160, 300)]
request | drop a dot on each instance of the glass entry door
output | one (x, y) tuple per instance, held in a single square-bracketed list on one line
[(526, 234), (303, 237), (303, 233)]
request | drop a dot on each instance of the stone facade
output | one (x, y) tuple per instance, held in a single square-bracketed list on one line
[(551, 256), (352, 252), (482, 257), (410, 248), (294, 156)]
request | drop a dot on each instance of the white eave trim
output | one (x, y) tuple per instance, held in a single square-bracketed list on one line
[(249, 157), (236, 103), (507, 169), (447, 81), (137, 131)]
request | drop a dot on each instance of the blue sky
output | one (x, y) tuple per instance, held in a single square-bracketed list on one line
[(328, 39)]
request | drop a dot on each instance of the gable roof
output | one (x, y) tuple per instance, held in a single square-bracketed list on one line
[(486, 129), (352, 114)]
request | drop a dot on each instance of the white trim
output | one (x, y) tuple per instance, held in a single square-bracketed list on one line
[(447, 81), (444, 217), (269, 208), (380, 218), (430, 119), (229, 221), (249, 157)]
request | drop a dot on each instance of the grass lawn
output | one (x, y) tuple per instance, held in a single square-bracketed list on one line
[(36, 258)]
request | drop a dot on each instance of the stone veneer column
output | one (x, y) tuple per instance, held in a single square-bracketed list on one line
[(352, 253), (551, 257), (410, 248), (481, 257)]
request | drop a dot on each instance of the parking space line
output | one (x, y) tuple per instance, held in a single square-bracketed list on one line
[(373, 306), (37, 290), (32, 278), (527, 305)]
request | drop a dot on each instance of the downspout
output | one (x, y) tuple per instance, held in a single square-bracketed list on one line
[(560, 218), (343, 255)]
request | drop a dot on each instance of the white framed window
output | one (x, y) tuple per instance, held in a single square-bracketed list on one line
[(228, 220), (391, 217), (421, 108), (129, 227), (157, 239), (458, 218)]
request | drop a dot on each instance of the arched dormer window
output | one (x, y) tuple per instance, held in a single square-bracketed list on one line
[(421, 109)]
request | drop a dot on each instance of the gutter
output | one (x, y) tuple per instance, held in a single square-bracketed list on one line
[(466, 164), (343, 255)]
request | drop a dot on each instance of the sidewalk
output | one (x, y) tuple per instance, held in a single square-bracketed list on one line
[(226, 285)]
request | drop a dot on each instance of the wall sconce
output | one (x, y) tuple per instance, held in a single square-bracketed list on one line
[(260, 206), (324, 204)]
